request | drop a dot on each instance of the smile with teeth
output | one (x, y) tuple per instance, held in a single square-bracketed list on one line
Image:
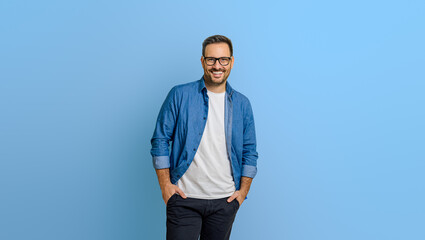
[(217, 74)]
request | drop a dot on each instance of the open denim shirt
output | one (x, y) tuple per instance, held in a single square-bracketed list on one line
[(182, 120)]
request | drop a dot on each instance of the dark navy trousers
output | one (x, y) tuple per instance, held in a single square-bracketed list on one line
[(191, 218)]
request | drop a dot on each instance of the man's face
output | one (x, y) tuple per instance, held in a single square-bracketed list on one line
[(216, 74)]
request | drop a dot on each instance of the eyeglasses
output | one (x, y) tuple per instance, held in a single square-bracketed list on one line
[(224, 61)]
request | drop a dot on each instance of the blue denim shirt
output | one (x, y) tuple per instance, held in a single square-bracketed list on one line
[(182, 120)]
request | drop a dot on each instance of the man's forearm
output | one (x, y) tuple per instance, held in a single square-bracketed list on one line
[(163, 177), (245, 185)]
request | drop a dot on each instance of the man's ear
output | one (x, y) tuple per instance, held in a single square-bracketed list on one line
[(232, 62)]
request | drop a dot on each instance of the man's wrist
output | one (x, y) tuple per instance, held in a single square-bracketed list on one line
[(243, 192), (165, 185)]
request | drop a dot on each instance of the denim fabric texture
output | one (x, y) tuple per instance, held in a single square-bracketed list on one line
[(182, 120)]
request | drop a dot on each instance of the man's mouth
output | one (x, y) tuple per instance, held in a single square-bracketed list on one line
[(217, 73)]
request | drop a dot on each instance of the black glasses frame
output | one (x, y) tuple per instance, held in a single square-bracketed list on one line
[(219, 60)]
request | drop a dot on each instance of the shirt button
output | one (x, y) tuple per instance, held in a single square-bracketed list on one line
[(205, 118), (187, 164), (194, 149), (178, 175)]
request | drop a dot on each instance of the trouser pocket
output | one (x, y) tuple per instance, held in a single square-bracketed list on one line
[(171, 199)]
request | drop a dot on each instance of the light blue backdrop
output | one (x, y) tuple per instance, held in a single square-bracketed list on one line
[(337, 89)]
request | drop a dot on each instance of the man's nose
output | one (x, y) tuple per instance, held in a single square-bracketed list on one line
[(217, 64)]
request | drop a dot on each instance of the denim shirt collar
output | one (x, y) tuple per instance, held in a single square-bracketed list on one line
[(229, 89)]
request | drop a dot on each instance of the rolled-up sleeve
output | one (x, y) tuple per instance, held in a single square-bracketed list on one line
[(163, 132), (249, 153)]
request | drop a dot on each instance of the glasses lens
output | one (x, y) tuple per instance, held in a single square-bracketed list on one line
[(224, 61), (210, 61)]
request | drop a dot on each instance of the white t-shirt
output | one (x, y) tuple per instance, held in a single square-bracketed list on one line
[(209, 175)]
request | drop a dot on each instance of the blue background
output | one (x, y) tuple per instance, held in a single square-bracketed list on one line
[(337, 89)]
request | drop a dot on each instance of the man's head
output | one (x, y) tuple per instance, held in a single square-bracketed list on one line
[(217, 59)]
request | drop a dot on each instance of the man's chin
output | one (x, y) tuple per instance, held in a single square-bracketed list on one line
[(216, 81)]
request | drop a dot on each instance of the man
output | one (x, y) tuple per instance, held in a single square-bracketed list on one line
[(213, 158)]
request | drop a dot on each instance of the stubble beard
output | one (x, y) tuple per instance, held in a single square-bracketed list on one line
[(211, 82)]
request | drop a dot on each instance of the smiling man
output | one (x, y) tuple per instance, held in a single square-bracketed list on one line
[(208, 173)]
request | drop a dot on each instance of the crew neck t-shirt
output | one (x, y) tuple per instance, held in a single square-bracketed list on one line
[(209, 175)]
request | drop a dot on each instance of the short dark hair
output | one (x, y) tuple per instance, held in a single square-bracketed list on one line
[(217, 39)]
